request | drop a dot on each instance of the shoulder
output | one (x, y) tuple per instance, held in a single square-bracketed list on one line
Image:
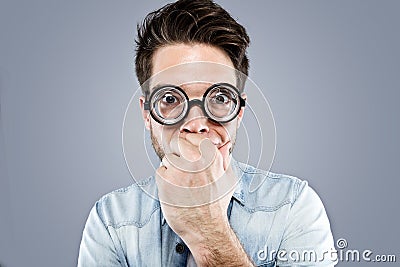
[(132, 205), (269, 191)]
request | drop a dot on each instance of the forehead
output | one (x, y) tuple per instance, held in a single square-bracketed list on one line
[(192, 67)]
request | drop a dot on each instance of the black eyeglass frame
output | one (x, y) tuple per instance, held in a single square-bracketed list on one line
[(194, 102)]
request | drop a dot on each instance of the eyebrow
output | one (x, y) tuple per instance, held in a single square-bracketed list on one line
[(155, 87), (161, 85)]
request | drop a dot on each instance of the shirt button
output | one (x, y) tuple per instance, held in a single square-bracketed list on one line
[(180, 248)]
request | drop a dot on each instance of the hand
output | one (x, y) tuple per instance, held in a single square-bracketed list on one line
[(195, 186)]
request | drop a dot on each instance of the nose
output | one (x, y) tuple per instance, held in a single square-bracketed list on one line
[(195, 122)]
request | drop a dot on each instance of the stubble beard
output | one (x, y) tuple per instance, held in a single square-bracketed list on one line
[(156, 145)]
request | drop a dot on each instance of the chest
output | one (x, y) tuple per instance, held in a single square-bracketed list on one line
[(260, 232)]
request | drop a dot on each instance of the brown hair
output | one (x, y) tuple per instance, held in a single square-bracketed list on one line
[(190, 21)]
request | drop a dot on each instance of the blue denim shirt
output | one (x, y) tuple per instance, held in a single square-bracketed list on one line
[(127, 228)]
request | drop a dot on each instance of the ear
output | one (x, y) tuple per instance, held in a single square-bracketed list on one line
[(241, 112), (145, 113)]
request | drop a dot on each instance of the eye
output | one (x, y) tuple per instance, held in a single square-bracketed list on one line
[(169, 98), (221, 98)]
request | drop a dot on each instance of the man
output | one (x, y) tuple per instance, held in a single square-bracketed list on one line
[(206, 214)]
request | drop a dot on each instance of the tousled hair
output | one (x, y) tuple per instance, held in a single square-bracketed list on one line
[(190, 22)]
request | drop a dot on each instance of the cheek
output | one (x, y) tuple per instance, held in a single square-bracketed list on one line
[(228, 130), (161, 133)]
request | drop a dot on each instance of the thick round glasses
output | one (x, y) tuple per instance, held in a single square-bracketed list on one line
[(169, 104)]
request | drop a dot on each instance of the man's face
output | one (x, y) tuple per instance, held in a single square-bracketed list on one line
[(223, 136)]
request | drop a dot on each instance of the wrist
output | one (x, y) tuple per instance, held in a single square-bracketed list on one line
[(223, 252), (207, 234), (212, 244)]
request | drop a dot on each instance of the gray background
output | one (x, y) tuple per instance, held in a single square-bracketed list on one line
[(329, 69)]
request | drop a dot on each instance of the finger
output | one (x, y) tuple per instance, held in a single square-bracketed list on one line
[(225, 151), (183, 148), (165, 163), (182, 164), (165, 187), (226, 182), (195, 138), (168, 159), (161, 169), (208, 151), (165, 176), (161, 173)]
